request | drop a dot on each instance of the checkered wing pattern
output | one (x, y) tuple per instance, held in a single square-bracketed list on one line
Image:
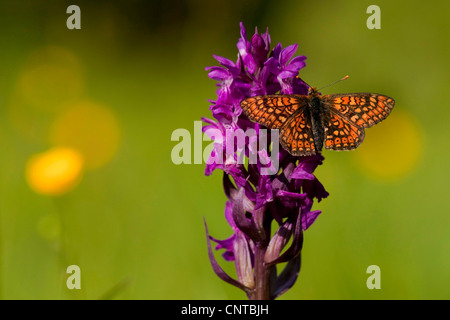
[(342, 134), (362, 109), (296, 136), (272, 111)]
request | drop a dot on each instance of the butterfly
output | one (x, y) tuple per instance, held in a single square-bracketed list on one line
[(307, 123)]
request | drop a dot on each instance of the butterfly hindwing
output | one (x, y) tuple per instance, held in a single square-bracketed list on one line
[(342, 134), (296, 135), (272, 111), (363, 109)]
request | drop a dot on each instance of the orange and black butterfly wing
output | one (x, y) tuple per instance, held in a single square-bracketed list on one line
[(362, 109), (272, 111), (341, 133), (296, 135)]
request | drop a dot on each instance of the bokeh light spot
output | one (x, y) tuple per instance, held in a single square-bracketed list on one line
[(54, 172), (91, 128), (52, 76), (49, 227), (391, 149)]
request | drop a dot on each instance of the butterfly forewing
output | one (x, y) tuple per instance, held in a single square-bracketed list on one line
[(272, 111), (363, 109)]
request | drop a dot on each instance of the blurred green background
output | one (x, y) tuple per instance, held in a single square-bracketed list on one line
[(134, 224)]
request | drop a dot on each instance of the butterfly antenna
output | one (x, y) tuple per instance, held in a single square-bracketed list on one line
[(344, 78)]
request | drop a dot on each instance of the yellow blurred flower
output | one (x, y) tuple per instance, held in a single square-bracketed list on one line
[(55, 172), (52, 76), (91, 128), (50, 80), (393, 148)]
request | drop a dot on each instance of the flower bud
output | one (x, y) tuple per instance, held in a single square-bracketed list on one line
[(243, 261)]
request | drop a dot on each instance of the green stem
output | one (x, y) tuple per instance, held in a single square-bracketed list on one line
[(64, 251), (1, 259), (262, 275)]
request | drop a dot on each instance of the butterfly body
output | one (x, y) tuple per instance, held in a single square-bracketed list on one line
[(316, 113), (307, 123)]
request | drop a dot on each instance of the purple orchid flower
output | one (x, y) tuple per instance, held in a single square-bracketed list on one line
[(256, 199)]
